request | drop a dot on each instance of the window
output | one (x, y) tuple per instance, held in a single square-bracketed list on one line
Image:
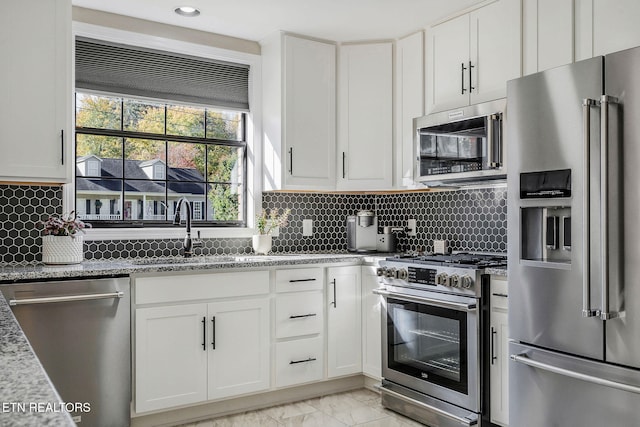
[(159, 126), (148, 154)]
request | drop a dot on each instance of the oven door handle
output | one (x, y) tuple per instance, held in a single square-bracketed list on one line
[(436, 302)]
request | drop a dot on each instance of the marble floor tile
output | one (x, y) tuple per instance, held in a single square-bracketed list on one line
[(246, 419), (313, 419), (283, 412), (361, 408), (365, 395), (359, 415)]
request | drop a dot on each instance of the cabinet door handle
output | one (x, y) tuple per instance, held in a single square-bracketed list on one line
[(299, 316), (471, 88), (290, 160), (493, 349), (302, 280), (462, 69), (344, 155), (335, 297), (310, 359), (62, 146), (204, 333), (213, 334)]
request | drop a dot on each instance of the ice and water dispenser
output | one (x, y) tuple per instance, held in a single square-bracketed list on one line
[(546, 223)]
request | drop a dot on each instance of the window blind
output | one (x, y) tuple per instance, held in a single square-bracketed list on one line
[(131, 70)]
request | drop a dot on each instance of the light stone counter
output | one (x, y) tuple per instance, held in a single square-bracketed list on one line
[(124, 267), (497, 271)]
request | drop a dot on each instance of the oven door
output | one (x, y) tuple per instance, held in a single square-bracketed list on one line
[(431, 344)]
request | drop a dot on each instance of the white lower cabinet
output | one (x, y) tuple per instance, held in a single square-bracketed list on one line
[(299, 361), (499, 372), (299, 314), (344, 331), (371, 324), (299, 326), (239, 347), (193, 352), (171, 358)]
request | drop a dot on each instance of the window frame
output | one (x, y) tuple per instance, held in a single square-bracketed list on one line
[(189, 43), (166, 139)]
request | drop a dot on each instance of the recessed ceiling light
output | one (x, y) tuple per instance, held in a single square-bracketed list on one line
[(187, 11)]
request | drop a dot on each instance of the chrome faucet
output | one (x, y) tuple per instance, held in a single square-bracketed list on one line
[(188, 243)]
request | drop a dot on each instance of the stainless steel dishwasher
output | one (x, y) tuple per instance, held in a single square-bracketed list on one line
[(80, 331)]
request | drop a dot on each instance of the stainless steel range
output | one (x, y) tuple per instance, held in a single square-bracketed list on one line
[(432, 336)]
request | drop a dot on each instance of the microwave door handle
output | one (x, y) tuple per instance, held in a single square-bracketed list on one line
[(605, 314), (587, 311), (494, 157)]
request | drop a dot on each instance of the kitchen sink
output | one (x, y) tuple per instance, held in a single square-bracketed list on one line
[(258, 258), (212, 259), (182, 260)]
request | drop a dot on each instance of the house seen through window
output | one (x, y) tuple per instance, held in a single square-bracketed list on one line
[(136, 158)]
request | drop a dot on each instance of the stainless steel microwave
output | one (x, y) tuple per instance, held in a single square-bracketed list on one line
[(462, 146)]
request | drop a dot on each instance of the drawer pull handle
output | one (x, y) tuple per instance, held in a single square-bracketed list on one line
[(301, 280), (299, 316), (294, 362), (500, 295)]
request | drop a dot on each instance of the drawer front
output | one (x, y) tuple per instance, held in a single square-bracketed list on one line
[(299, 361), (299, 313), (185, 287), (299, 279), (499, 292)]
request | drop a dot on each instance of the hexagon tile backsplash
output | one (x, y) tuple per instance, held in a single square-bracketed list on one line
[(472, 220)]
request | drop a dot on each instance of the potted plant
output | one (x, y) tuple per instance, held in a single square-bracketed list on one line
[(265, 223), (62, 241)]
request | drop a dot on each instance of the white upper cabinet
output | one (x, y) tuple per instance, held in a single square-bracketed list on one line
[(299, 107), (615, 25), (547, 34), (365, 116), (35, 92), (409, 102), (471, 57), (447, 54)]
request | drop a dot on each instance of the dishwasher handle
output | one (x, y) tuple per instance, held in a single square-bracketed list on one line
[(66, 298)]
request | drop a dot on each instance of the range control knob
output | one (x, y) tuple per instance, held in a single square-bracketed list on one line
[(454, 280), (466, 281), (380, 271), (442, 279), (403, 274), (391, 273)]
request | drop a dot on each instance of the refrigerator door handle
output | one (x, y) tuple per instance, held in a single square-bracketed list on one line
[(605, 314), (522, 358), (587, 311)]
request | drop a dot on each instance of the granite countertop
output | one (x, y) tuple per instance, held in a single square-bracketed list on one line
[(39, 271), (27, 397), (498, 271)]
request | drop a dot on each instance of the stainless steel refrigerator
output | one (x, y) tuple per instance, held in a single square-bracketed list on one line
[(574, 244)]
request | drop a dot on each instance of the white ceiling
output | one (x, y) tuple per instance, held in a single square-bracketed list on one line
[(338, 20)]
